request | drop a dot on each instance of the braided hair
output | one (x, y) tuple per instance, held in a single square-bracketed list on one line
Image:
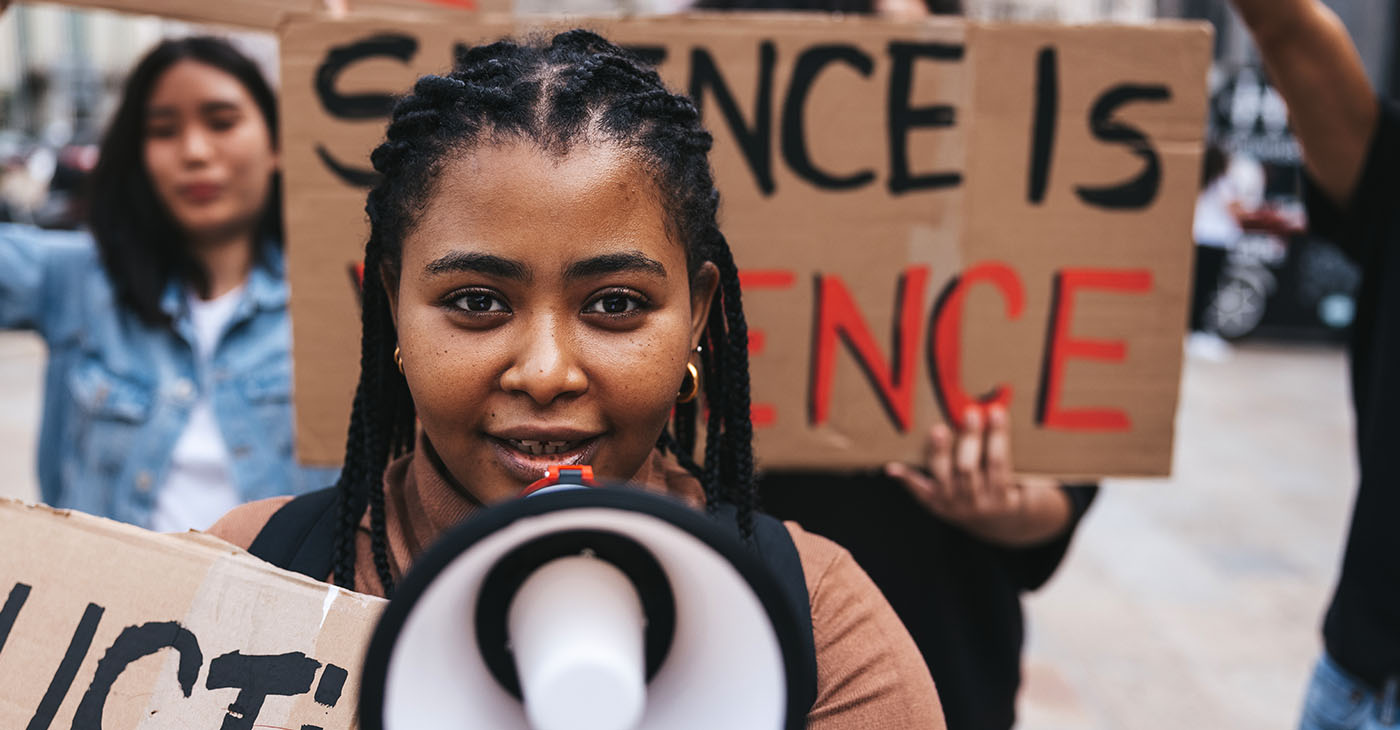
[(575, 89)]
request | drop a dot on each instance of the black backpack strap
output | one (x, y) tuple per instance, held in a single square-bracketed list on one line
[(301, 535), (774, 545)]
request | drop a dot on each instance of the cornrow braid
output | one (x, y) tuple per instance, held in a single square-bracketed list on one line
[(738, 471), (576, 89)]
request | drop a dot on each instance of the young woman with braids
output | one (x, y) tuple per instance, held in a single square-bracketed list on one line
[(548, 266)]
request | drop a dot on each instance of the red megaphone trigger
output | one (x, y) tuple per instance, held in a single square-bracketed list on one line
[(580, 475)]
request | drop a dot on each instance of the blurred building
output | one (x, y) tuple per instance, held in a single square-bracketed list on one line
[(62, 69), (1063, 11), (60, 66)]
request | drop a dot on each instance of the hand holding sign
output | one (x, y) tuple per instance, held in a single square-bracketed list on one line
[(966, 478)]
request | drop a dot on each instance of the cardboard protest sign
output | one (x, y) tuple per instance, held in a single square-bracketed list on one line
[(926, 217), (105, 625), (268, 14)]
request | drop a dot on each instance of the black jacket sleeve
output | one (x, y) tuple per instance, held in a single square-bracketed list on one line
[(1032, 566), (1349, 226)]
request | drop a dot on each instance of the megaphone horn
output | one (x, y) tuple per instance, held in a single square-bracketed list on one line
[(588, 609), (579, 612)]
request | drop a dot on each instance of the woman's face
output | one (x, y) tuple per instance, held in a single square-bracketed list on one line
[(545, 315), (208, 152)]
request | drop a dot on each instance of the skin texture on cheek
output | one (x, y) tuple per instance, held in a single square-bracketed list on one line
[(544, 315)]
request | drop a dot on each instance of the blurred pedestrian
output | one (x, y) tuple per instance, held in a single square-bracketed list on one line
[(168, 383), (1351, 160), (1231, 187)]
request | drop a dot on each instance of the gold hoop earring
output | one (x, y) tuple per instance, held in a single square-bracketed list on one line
[(398, 360), (690, 387)]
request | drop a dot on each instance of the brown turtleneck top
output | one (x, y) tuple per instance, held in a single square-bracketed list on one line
[(870, 675)]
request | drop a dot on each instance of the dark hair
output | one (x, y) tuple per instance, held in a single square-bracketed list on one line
[(142, 247), (1213, 164), (572, 90), (854, 7)]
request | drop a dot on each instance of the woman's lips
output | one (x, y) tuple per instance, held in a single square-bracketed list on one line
[(200, 192), (526, 460)]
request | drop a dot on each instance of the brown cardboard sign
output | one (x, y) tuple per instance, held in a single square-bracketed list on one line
[(105, 625), (268, 14), (926, 217)]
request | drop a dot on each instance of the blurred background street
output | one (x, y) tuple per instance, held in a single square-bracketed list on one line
[(1188, 602)]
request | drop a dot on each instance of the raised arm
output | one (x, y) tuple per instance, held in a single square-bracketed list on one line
[(37, 267), (1312, 62)]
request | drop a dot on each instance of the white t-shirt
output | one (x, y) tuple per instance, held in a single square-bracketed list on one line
[(1243, 184), (199, 488)]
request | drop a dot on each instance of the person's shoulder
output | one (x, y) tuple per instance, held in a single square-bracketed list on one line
[(243, 523), (1383, 149), (821, 558), (869, 671), (1356, 223), (1384, 145)]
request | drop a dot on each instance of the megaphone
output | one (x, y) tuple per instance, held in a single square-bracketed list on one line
[(603, 608)]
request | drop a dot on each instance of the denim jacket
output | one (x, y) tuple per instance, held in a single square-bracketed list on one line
[(118, 391)]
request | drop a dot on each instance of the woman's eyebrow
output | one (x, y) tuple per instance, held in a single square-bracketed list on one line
[(480, 263), (613, 263), (215, 107)]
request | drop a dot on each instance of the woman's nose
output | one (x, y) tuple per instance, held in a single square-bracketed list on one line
[(195, 145), (544, 366)]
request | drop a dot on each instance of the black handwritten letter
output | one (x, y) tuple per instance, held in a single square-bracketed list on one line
[(1140, 191), (1047, 106), (257, 677), (18, 595), (67, 669), (809, 64), (332, 682), (357, 106), (903, 118), (133, 643), (756, 141)]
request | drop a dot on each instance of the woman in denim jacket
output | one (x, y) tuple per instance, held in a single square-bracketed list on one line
[(168, 386)]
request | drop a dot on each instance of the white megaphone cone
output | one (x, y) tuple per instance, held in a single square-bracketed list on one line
[(576, 628), (585, 609)]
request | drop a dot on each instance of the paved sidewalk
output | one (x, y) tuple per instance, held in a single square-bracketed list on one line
[(21, 399), (1196, 601)]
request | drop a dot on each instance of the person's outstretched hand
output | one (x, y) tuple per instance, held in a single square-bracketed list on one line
[(966, 478)]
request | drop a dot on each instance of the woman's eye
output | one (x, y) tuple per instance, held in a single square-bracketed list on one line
[(223, 122), (163, 131), (614, 304), (479, 302)]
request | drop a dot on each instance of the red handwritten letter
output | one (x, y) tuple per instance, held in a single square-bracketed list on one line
[(945, 342), (1063, 346), (838, 317)]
